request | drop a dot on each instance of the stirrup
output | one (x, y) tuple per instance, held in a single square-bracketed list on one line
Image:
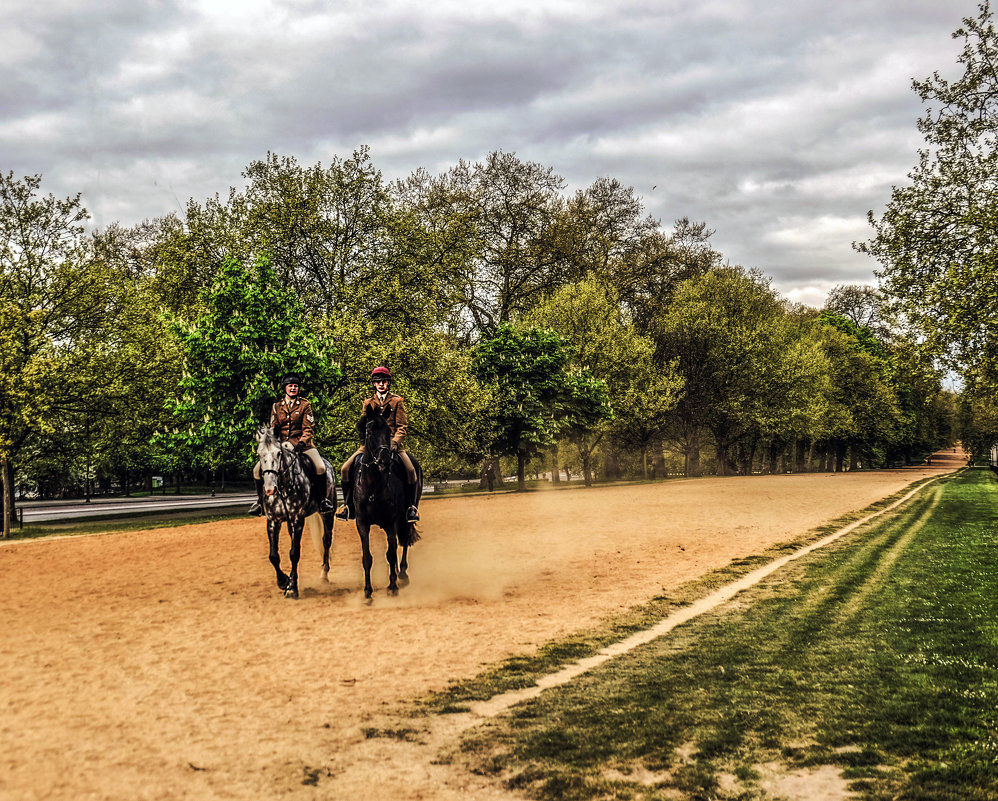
[(412, 515), (343, 513), (256, 510)]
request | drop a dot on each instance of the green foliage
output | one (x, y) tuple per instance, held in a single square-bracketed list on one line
[(937, 241), (894, 683), (748, 373), (640, 394), (536, 396), (252, 332)]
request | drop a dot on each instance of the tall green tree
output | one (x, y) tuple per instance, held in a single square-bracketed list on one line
[(604, 344), (747, 374), (250, 332), (506, 212), (54, 303), (937, 240), (535, 393)]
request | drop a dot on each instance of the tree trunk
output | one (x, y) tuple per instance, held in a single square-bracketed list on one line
[(657, 459), (692, 463), (555, 470), (587, 473), (611, 469), (521, 474), (723, 463), (7, 481)]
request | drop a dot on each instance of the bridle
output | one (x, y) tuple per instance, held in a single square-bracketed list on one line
[(383, 468), (279, 474)]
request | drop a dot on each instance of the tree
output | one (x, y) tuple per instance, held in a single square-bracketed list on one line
[(937, 241), (747, 373), (250, 332), (607, 347), (863, 305), (535, 394), (506, 212), (53, 301)]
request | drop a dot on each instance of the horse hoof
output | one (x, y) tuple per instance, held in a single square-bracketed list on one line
[(291, 592), (393, 591), (403, 580)]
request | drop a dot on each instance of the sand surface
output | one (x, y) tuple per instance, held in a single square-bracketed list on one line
[(166, 664)]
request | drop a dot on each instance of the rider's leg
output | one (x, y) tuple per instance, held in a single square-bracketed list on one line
[(257, 508), (319, 485), (347, 511), (412, 513)]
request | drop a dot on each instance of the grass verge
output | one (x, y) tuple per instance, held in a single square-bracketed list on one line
[(109, 526), (877, 656), (523, 670)]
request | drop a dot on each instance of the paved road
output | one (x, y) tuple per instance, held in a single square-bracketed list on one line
[(51, 511), (122, 507)]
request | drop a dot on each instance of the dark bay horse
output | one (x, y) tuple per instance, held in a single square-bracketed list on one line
[(379, 498), (287, 499)]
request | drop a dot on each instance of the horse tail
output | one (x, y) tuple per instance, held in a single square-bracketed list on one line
[(315, 529), (412, 533)]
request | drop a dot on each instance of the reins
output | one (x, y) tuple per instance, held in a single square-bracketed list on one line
[(280, 474)]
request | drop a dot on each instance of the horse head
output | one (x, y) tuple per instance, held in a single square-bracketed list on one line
[(272, 459), (377, 440)]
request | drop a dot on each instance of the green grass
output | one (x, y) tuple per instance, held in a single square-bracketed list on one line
[(877, 655), (523, 670), (131, 523)]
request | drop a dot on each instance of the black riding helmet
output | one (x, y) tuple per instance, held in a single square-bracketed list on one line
[(291, 378)]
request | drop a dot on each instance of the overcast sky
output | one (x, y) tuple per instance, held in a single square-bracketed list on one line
[(778, 123)]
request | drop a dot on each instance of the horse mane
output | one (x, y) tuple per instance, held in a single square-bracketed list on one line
[(370, 415), (265, 436)]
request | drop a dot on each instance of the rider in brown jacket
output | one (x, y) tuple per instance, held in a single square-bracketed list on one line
[(398, 422), (293, 423)]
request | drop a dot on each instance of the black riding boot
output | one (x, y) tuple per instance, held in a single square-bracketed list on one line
[(326, 506), (345, 512), (256, 510), (412, 514)]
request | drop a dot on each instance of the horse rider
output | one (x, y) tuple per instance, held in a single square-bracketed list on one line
[(392, 407), (293, 423)]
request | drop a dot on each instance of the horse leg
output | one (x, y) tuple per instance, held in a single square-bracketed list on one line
[(392, 556), (273, 534), (295, 528), (327, 543), (364, 530), (404, 563)]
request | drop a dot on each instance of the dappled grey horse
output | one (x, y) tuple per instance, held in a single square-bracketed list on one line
[(287, 498)]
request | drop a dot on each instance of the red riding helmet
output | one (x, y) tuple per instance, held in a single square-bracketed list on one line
[(380, 372)]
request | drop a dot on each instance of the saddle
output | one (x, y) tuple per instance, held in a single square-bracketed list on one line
[(306, 464)]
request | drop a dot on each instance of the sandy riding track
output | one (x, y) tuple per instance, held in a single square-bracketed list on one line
[(167, 665)]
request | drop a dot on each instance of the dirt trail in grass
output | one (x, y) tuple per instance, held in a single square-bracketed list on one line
[(166, 665)]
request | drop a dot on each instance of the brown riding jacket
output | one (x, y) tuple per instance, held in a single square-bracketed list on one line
[(397, 419), (293, 422)]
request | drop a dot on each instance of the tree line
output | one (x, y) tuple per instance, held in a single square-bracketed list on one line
[(521, 322)]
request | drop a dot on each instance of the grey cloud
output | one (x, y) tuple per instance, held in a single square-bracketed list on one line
[(778, 124)]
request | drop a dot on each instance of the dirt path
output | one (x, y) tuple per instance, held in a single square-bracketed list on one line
[(166, 665)]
